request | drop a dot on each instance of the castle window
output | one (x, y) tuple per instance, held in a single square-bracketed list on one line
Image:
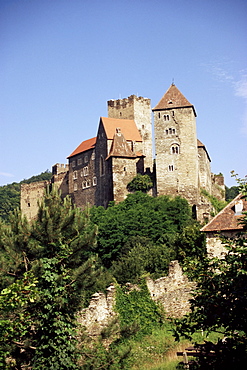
[(120, 114), (175, 149), (93, 156), (102, 166), (75, 186), (28, 204), (86, 159), (88, 183), (75, 175), (159, 114), (167, 132), (94, 181), (84, 184), (79, 161), (171, 168), (173, 131), (166, 117), (143, 127), (73, 163), (170, 131), (85, 171)]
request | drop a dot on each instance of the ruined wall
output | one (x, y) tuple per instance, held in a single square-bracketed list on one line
[(218, 186), (173, 291), (31, 194)]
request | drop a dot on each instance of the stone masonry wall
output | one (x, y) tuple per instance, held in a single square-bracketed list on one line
[(173, 291)]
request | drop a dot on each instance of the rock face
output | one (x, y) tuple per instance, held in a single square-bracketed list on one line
[(173, 291)]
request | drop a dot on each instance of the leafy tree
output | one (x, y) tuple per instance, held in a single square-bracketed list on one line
[(220, 303), (138, 215), (49, 266), (140, 183), (140, 256), (231, 193)]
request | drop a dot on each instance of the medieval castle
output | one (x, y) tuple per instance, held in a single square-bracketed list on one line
[(100, 168)]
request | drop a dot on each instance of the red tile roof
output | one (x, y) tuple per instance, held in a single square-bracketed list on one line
[(173, 98), (84, 146), (227, 219), (127, 126)]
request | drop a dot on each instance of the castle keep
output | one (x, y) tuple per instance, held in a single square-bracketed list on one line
[(100, 168)]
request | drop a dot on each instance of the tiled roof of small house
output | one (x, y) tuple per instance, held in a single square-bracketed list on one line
[(201, 145), (127, 126), (173, 98), (230, 217), (84, 146)]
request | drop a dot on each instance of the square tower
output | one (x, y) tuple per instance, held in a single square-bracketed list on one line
[(177, 169), (137, 109)]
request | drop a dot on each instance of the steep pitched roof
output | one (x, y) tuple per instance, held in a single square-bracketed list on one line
[(228, 218), (120, 147), (201, 145), (84, 146), (128, 128), (173, 98)]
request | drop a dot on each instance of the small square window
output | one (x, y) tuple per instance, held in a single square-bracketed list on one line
[(94, 181)]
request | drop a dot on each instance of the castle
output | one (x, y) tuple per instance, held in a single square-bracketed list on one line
[(100, 168)]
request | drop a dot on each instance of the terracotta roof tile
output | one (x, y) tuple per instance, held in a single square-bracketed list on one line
[(173, 98), (84, 146), (227, 219), (128, 128)]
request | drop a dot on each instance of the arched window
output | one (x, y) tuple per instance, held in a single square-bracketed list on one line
[(175, 149), (102, 166)]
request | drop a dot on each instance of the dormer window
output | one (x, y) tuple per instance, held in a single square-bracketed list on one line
[(238, 207)]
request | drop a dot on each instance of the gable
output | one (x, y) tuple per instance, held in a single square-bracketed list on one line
[(128, 128)]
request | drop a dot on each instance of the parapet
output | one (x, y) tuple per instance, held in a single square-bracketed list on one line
[(59, 168)]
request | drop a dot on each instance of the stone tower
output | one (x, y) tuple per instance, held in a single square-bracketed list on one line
[(177, 166), (137, 109)]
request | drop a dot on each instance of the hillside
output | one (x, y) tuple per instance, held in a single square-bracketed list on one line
[(10, 194)]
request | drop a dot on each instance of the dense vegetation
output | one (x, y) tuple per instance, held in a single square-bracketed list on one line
[(50, 267), (10, 194), (219, 304)]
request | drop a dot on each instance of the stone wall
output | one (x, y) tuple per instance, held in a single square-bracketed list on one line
[(173, 291)]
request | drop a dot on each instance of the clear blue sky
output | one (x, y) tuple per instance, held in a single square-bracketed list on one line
[(61, 60)]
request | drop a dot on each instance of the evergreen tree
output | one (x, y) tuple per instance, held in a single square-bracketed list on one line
[(46, 267)]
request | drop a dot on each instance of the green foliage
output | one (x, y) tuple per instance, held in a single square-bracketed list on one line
[(220, 303), (10, 194), (140, 183), (49, 265), (231, 193), (139, 256), (138, 215), (216, 203), (138, 313)]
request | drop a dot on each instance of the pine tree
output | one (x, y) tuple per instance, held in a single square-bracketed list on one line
[(46, 266)]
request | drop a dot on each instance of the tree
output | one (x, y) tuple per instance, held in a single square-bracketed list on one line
[(140, 183), (219, 303), (138, 215), (49, 265)]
